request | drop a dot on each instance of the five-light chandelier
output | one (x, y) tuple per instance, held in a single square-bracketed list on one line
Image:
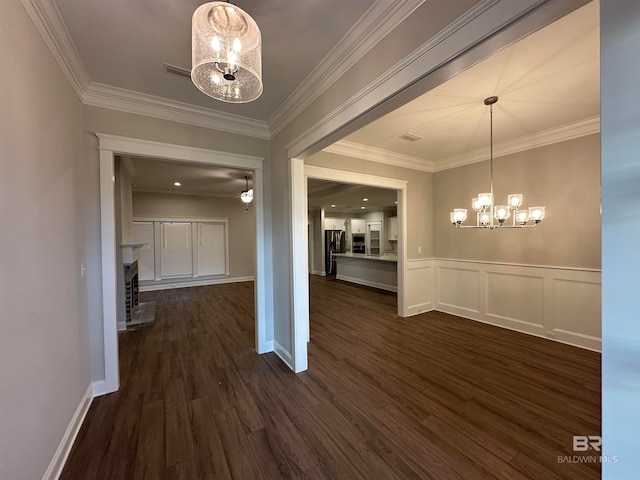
[(490, 216)]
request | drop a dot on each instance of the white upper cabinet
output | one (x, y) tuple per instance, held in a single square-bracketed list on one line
[(358, 225), (393, 228), (334, 223)]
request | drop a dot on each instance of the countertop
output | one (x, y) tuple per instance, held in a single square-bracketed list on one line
[(385, 257)]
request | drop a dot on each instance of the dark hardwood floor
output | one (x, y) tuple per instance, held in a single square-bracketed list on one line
[(428, 397)]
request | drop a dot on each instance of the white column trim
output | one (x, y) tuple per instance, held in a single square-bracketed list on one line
[(109, 272), (299, 266)]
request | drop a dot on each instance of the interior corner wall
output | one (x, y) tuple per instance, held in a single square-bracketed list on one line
[(564, 177), (46, 181), (419, 196), (241, 225), (620, 77)]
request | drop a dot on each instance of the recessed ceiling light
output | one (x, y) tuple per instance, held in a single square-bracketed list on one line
[(333, 206), (396, 202), (365, 199), (177, 184), (361, 208)]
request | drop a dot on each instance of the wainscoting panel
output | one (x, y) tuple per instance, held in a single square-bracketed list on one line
[(562, 304), (419, 286), (515, 299), (576, 312), (458, 289)]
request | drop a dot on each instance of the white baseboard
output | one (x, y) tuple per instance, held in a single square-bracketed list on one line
[(60, 457), (192, 282), (367, 283), (99, 388), (284, 355), (266, 347), (419, 308)]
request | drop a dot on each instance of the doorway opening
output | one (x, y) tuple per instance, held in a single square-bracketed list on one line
[(110, 146)]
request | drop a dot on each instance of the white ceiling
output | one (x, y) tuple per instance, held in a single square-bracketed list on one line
[(349, 198), (547, 80), (124, 44), (149, 175)]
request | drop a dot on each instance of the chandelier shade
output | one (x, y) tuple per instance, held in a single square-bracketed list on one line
[(226, 53), (490, 216)]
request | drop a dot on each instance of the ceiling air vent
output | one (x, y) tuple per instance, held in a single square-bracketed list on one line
[(179, 71), (410, 137)]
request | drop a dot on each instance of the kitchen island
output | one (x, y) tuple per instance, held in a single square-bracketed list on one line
[(378, 271)]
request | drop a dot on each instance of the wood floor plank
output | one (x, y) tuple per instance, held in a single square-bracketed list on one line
[(150, 455), (433, 396), (209, 453), (179, 443)]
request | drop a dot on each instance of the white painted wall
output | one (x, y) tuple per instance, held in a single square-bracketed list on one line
[(620, 77), (47, 213)]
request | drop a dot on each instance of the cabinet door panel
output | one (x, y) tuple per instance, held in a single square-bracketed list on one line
[(211, 249), (176, 255)]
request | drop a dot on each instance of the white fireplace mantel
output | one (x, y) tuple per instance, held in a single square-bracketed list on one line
[(127, 251)]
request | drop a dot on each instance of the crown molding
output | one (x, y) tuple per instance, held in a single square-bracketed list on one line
[(527, 142), (540, 139), (378, 155), (393, 80), (379, 20), (47, 19), (105, 96)]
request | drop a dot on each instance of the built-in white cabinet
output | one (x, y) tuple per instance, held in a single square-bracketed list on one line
[(331, 223), (358, 225), (176, 257), (374, 230), (181, 249), (210, 254), (393, 228)]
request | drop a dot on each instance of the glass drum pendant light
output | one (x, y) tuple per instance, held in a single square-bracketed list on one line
[(491, 216), (226, 50)]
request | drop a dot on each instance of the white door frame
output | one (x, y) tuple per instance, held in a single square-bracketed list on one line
[(111, 145), (300, 173)]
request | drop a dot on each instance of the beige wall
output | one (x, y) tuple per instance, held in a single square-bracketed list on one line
[(241, 225), (419, 194), (564, 177), (47, 212)]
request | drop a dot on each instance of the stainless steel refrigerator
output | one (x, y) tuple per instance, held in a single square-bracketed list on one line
[(334, 242)]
